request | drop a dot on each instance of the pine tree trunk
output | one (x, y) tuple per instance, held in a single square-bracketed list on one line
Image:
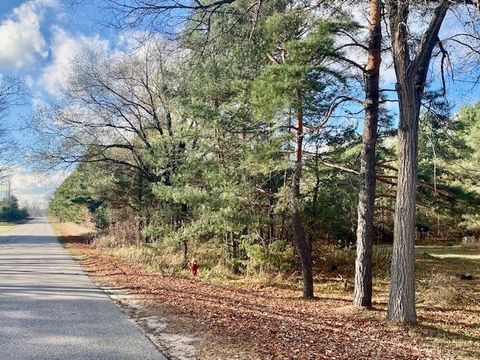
[(401, 305), (366, 203), (305, 255), (301, 244)]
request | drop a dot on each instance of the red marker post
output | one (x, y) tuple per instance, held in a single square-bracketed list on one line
[(193, 265)]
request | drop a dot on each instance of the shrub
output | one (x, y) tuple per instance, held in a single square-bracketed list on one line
[(440, 289)]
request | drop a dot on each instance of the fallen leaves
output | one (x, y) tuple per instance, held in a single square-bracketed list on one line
[(273, 323)]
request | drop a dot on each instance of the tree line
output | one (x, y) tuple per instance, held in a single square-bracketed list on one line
[(240, 133), (10, 210)]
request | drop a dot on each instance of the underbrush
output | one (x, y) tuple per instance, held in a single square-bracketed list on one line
[(334, 266), (439, 289), (438, 282), (330, 258)]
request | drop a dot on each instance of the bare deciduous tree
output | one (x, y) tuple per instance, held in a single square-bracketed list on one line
[(12, 93), (113, 106), (116, 113)]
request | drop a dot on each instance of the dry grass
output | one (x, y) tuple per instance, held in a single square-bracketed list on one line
[(450, 309), (439, 290), (72, 233)]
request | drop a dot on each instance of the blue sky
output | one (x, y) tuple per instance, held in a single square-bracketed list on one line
[(38, 39)]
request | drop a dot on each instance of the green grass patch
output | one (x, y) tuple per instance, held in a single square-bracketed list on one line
[(466, 252), (6, 228)]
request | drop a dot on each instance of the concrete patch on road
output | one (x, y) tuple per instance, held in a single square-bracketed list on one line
[(174, 345)]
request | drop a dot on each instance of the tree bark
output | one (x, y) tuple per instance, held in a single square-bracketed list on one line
[(301, 244), (366, 203), (401, 306), (411, 77)]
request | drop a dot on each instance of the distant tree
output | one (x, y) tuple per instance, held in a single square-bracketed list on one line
[(10, 211), (36, 209)]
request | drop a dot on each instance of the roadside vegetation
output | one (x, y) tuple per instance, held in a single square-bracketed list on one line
[(234, 242), (257, 317), (263, 142), (10, 211)]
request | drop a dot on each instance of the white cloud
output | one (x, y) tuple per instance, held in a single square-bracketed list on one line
[(21, 39), (388, 78), (34, 188), (64, 49)]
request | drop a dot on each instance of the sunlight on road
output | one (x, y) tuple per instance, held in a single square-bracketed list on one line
[(50, 309)]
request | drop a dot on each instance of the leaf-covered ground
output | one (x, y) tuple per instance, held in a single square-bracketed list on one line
[(273, 323)]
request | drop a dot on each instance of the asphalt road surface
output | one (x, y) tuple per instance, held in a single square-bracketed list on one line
[(50, 309)]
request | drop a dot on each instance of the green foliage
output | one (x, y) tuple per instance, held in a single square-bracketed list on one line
[(10, 210), (76, 200), (211, 162)]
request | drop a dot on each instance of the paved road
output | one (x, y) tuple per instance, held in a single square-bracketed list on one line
[(49, 308)]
